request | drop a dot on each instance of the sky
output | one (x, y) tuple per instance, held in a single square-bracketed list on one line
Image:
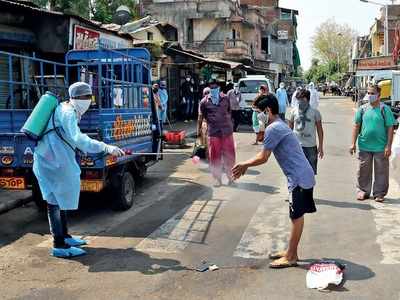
[(358, 15)]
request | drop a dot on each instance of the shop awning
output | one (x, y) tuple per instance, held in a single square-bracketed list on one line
[(198, 57), (377, 74)]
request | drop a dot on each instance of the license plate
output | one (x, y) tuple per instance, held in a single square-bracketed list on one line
[(12, 183), (92, 185)]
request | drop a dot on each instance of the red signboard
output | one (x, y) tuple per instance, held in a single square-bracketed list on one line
[(376, 63), (85, 38)]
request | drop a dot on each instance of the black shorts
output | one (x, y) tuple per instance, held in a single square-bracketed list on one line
[(311, 154), (301, 202)]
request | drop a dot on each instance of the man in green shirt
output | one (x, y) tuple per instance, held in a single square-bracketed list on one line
[(374, 130)]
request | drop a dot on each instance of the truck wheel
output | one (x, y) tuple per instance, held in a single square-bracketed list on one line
[(123, 191), (37, 197)]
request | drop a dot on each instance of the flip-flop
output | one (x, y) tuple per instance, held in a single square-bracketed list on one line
[(282, 263), (277, 255)]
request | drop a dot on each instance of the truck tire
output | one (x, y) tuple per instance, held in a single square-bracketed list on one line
[(37, 197), (123, 189)]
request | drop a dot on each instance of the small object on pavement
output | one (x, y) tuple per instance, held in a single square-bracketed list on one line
[(195, 160), (202, 268), (176, 137), (68, 252), (213, 268), (323, 273)]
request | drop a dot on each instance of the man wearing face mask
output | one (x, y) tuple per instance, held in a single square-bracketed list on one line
[(235, 97), (281, 141), (215, 109), (188, 98), (283, 100), (306, 122), (373, 129), (57, 170)]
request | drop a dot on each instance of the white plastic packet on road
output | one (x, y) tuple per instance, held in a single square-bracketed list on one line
[(395, 157), (323, 273)]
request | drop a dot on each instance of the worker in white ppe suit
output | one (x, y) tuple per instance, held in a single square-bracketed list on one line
[(57, 170), (314, 96), (295, 101)]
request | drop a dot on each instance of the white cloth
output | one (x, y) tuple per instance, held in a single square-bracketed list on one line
[(295, 102), (314, 98)]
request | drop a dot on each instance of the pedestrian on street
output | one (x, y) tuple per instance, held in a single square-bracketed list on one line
[(255, 122), (373, 129), (306, 123), (314, 97), (235, 97), (204, 127), (282, 96), (294, 102), (163, 96), (280, 140), (215, 109), (264, 90), (187, 89), (57, 170)]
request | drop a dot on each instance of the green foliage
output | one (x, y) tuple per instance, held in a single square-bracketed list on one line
[(75, 7), (103, 10), (99, 10), (331, 44)]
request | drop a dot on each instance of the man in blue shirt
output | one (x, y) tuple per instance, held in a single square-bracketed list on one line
[(283, 100), (281, 141)]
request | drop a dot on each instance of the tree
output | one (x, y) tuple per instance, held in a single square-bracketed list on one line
[(75, 7), (332, 42), (97, 10), (103, 10)]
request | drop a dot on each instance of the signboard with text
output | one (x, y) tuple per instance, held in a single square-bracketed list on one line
[(376, 63), (86, 39)]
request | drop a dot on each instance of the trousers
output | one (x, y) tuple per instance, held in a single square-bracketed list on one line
[(221, 156), (58, 225), (373, 163)]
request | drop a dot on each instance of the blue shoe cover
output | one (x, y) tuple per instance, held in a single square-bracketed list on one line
[(75, 242), (66, 253)]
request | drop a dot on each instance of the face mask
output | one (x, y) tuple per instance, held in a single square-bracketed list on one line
[(215, 96), (81, 106), (371, 98), (155, 91), (282, 86), (303, 104), (236, 89), (187, 79)]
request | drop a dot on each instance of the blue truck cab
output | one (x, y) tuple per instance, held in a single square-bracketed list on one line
[(122, 113)]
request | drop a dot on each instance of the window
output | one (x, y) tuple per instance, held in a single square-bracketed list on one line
[(286, 15), (251, 86), (150, 36)]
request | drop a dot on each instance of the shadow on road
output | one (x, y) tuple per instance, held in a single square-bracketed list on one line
[(255, 187), (340, 204), (127, 260)]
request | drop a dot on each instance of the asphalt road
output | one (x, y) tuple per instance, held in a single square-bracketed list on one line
[(180, 220)]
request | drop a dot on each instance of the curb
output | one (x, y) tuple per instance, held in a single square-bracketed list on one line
[(5, 207)]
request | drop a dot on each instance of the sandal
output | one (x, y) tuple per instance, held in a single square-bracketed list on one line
[(277, 255), (282, 263), (379, 199)]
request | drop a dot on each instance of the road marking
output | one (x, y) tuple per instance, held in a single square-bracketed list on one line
[(387, 221), (268, 229), (190, 225)]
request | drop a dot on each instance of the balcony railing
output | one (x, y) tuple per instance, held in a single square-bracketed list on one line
[(230, 48)]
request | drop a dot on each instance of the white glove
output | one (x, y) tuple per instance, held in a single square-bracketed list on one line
[(114, 150), (184, 100)]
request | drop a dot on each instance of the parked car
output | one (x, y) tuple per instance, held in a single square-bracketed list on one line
[(249, 87)]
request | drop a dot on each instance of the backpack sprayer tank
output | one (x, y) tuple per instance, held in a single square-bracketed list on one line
[(36, 124)]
